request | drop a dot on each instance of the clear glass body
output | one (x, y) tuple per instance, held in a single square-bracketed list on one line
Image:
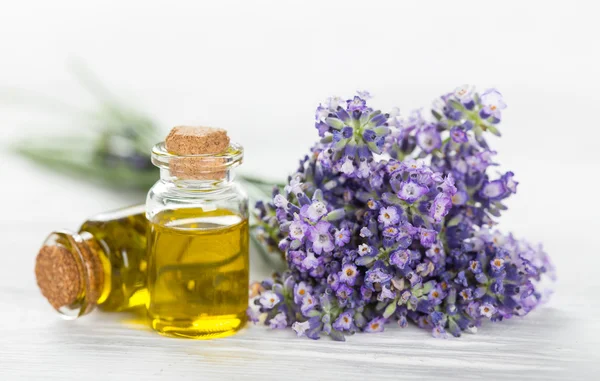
[(109, 251), (198, 256)]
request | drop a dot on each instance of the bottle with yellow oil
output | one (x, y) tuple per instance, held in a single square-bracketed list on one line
[(198, 265), (103, 264)]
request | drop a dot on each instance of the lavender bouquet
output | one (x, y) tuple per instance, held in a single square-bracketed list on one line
[(389, 219), (111, 144)]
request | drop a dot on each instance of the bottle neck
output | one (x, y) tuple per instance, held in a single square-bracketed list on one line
[(198, 172), (199, 182), (99, 266)]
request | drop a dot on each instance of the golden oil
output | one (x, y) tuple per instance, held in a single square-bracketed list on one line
[(121, 238), (198, 272)]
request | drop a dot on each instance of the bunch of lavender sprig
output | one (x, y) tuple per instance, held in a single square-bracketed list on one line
[(389, 218), (111, 144)]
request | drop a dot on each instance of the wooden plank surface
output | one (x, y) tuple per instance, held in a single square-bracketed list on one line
[(559, 341)]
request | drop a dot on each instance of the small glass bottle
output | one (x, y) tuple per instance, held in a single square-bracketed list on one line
[(103, 265), (198, 264)]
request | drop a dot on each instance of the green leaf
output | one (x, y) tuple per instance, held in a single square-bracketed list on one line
[(493, 129), (363, 261), (373, 147), (66, 156), (327, 139), (389, 310), (337, 335), (455, 220), (335, 123), (336, 215), (383, 130)]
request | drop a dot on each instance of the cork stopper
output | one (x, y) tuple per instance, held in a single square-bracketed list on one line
[(197, 145), (58, 276), (70, 273), (188, 140)]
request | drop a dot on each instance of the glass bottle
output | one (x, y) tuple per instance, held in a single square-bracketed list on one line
[(103, 265), (198, 265)]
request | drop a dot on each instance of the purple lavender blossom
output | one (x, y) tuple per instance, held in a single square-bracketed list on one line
[(427, 237), (301, 327), (493, 190), (466, 294), (314, 211), (298, 230), (342, 237), (497, 264), (475, 266), (310, 262), (344, 322), (388, 216), (439, 333), (487, 310), (493, 104), (308, 303), (428, 139), (458, 134), (349, 274), (253, 314), (412, 191), (364, 249), (278, 321), (441, 206), (371, 238), (460, 198), (269, 299), (365, 232), (353, 132), (386, 293), (300, 291), (357, 104), (377, 275), (344, 292), (400, 258), (322, 241), (333, 280), (464, 94), (375, 325)]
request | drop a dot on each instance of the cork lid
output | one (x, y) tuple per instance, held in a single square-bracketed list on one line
[(197, 153), (58, 276), (188, 140), (69, 273)]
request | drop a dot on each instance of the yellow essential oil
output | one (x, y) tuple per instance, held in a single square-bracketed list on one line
[(198, 272), (121, 241)]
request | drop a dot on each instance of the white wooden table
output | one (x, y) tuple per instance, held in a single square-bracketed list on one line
[(559, 341), (259, 68)]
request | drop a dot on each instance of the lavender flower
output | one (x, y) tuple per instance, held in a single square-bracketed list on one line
[(429, 139), (375, 325), (321, 238), (372, 233), (300, 327), (278, 321), (344, 322), (353, 132), (342, 237), (269, 299), (349, 274), (493, 104)]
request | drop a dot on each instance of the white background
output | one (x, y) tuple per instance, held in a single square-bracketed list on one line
[(259, 69)]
